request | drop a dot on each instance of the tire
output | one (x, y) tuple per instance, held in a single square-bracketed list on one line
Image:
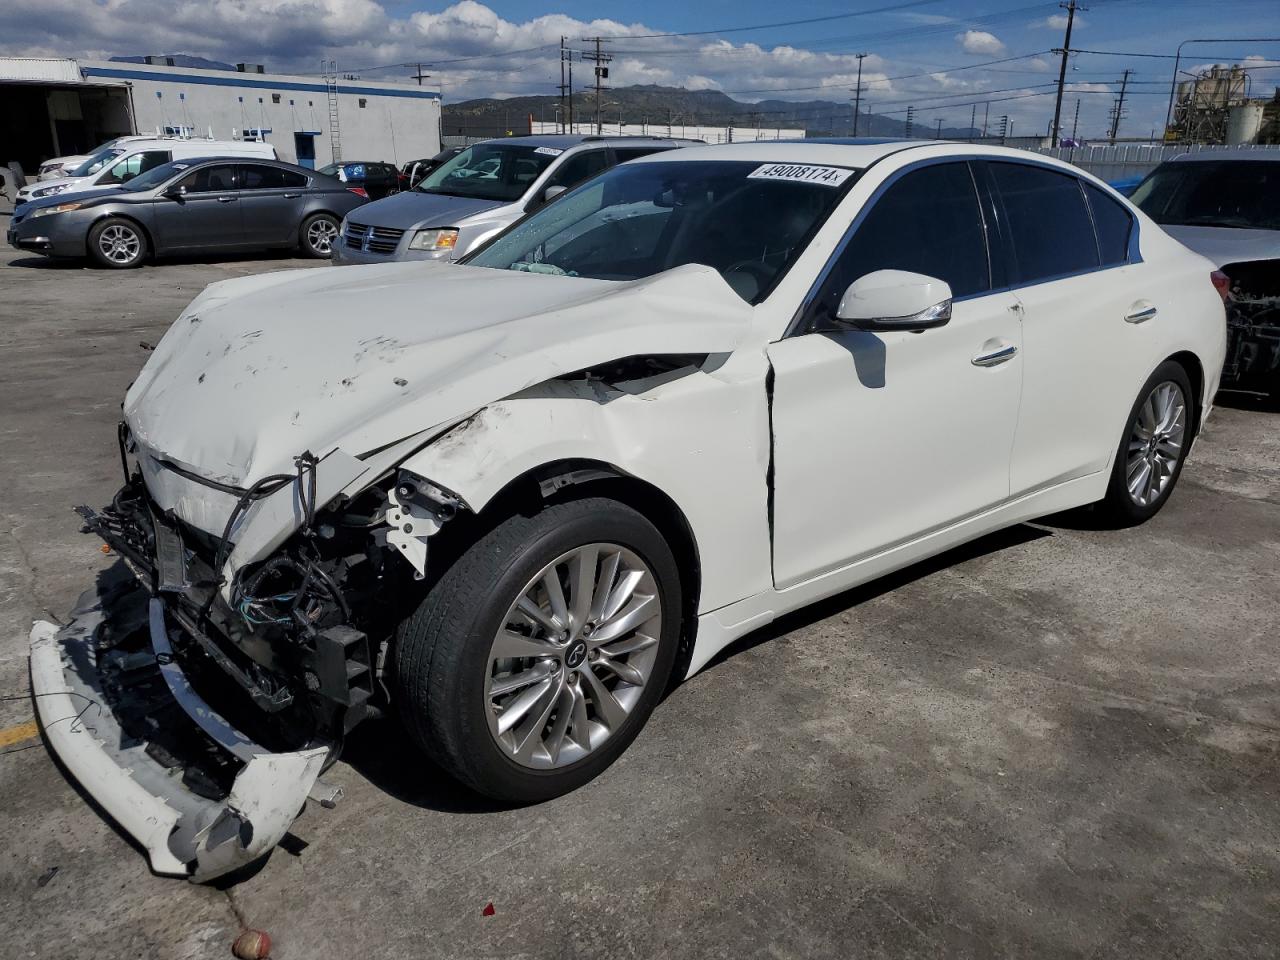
[(1122, 505), (318, 234), (117, 243), (446, 679)]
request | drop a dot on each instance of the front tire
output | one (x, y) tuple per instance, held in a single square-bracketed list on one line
[(539, 655), (117, 243), (318, 234), (1154, 447)]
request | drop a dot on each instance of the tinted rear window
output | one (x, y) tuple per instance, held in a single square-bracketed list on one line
[(1048, 222), (1112, 223)]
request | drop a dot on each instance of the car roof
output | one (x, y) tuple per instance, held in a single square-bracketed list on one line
[(563, 141), (1239, 153)]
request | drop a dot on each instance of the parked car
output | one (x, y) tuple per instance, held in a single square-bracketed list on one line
[(506, 500), (376, 180), (413, 172), (59, 167), (483, 190), (189, 206), (1225, 205), (118, 164)]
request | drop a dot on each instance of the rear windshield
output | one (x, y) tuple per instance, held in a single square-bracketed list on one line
[(1244, 194), (746, 219), (490, 171)]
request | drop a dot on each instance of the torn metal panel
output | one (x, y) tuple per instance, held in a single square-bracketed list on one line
[(247, 377)]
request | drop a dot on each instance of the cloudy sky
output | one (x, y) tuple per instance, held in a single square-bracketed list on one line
[(940, 55)]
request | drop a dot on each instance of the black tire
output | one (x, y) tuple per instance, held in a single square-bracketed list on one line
[(441, 656), (309, 239), (1119, 507), (117, 243)]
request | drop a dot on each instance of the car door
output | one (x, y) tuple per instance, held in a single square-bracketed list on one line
[(1080, 369), (880, 438), (204, 215), (271, 203)]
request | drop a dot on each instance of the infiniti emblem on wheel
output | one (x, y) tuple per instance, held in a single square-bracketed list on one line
[(577, 653)]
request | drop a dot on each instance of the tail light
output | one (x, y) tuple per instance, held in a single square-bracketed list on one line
[(359, 192), (1221, 283)]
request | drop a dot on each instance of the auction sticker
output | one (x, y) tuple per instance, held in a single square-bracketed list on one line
[(548, 151), (801, 173)]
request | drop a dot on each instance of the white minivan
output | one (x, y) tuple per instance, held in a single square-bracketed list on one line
[(120, 162)]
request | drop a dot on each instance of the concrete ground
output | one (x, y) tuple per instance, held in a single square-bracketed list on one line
[(1058, 742)]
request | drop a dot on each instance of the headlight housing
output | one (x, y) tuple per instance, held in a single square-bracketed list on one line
[(441, 238), (51, 191), (60, 208)]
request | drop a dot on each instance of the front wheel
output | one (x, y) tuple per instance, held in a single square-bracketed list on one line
[(117, 243), (1154, 447), (536, 659), (318, 234)]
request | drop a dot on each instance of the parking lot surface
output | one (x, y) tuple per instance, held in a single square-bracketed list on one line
[(1057, 742)]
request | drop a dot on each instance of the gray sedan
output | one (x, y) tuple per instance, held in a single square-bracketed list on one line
[(190, 206)]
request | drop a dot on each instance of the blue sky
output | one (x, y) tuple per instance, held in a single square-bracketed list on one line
[(935, 54)]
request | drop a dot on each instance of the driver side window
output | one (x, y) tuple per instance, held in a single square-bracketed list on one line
[(928, 221), (210, 179), (579, 168)]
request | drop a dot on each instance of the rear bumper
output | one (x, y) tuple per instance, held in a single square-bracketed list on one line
[(80, 683)]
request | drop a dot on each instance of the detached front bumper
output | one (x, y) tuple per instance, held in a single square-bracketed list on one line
[(84, 686)]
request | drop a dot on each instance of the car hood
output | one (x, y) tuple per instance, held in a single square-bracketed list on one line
[(80, 196), (1225, 245), (260, 369), (413, 209)]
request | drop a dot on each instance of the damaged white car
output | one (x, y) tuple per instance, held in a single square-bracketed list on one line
[(512, 499)]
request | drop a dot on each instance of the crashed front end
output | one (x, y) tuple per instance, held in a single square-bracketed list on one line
[(1253, 327), (197, 699)]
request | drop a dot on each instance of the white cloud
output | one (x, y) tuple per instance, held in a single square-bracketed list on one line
[(1058, 21), (980, 42)]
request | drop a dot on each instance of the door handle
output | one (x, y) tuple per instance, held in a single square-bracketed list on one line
[(1141, 314), (292, 196), (996, 357), (225, 199)]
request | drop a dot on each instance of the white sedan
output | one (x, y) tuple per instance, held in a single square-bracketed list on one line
[(514, 498)]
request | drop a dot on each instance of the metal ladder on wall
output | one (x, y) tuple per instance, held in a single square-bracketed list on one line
[(331, 88)]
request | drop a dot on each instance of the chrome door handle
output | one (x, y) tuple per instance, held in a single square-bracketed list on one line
[(1140, 316), (225, 199), (292, 196), (994, 359)]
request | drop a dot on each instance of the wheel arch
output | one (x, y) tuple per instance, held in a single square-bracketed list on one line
[(1190, 362), (137, 222)]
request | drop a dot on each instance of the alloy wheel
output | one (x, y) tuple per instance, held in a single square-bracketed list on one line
[(119, 244), (321, 234), (1155, 444), (573, 655)]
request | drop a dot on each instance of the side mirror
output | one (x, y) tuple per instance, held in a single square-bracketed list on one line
[(175, 192), (552, 192), (895, 300)]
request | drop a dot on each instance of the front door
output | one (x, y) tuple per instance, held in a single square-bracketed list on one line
[(880, 438), (271, 201), (304, 145), (206, 216)]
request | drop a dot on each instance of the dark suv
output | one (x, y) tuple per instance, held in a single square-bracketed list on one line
[(376, 179)]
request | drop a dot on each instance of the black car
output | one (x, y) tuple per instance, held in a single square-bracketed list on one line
[(188, 206), (376, 179), (415, 171)]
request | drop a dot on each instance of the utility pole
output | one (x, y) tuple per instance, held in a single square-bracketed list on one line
[(857, 94), (973, 120), (911, 122), (986, 113), (1075, 123), (1071, 7), (562, 88), (1004, 128), (938, 121), (420, 76), (602, 72), (1118, 110)]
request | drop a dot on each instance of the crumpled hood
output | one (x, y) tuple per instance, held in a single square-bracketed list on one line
[(1225, 245), (259, 369), (414, 209)]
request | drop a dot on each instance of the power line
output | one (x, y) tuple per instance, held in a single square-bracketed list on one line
[(783, 23)]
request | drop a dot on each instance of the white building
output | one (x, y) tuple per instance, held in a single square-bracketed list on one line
[(56, 107), (691, 130)]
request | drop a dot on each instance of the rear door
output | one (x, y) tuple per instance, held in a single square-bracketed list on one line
[(206, 216), (1081, 360), (271, 203)]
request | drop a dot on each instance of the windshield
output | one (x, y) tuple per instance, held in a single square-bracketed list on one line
[(1213, 193), (746, 219), (155, 176), (490, 171), (96, 162)]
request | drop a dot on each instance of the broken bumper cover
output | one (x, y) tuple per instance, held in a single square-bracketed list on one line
[(183, 832)]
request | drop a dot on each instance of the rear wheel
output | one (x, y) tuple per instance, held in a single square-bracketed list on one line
[(534, 662), (1154, 448), (117, 243), (318, 234)]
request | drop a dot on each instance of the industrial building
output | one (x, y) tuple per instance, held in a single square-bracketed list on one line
[(58, 107), (1218, 106)]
